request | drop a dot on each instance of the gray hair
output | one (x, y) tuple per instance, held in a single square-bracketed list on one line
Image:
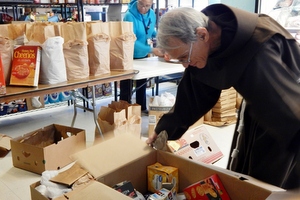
[(180, 23)]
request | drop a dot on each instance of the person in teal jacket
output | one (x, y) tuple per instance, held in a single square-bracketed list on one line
[(144, 21)]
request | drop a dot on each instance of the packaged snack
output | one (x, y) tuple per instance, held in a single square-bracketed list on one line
[(26, 66)]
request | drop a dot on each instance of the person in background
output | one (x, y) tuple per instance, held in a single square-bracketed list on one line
[(223, 47), (144, 21)]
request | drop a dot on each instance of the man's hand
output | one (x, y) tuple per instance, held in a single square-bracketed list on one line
[(158, 52), (151, 139)]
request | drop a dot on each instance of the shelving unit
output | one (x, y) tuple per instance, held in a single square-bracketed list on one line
[(17, 8)]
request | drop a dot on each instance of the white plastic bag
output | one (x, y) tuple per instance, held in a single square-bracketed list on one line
[(53, 67)]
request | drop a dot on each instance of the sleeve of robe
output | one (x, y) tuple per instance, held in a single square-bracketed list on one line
[(193, 100)]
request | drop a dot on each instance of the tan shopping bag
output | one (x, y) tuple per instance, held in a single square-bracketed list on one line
[(39, 31), (121, 45), (98, 47), (75, 50), (111, 120), (120, 117), (10, 35)]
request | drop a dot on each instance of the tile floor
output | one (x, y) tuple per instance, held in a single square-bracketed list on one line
[(14, 182)]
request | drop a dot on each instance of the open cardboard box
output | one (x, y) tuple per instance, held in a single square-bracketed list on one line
[(126, 157), (48, 148)]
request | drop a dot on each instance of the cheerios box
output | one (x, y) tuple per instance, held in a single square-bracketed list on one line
[(26, 66)]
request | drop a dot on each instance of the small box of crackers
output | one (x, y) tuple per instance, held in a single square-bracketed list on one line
[(206, 189), (158, 175), (26, 66)]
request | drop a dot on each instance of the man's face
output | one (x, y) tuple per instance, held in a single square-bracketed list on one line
[(192, 54)]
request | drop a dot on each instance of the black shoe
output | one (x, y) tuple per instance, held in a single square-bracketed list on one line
[(145, 112)]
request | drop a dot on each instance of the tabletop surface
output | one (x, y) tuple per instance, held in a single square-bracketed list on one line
[(20, 92), (154, 66)]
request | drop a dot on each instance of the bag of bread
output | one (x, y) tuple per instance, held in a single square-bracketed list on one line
[(53, 67), (121, 45), (75, 50), (98, 47), (10, 35)]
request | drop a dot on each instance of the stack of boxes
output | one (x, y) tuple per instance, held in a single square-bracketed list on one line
[(225, 109)]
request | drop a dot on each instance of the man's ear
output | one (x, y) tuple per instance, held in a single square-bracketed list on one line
[(202, 33)]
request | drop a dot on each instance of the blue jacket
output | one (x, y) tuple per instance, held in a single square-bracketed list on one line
[(143, 28)]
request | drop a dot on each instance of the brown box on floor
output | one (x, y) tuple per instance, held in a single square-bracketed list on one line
[(128, 158), (47, 148)]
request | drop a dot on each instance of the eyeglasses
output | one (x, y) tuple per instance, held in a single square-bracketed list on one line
[(189, 57), (141, 5)]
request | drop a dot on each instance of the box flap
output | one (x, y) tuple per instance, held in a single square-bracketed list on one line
[(111, 154), (4, 145), (94, 190), (5, 141), (69, 176)]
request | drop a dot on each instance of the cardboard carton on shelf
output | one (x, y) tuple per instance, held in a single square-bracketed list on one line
[(26, 66), (47, 148), (126, 157)]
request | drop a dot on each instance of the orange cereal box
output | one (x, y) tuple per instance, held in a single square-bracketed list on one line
[(26, 66), (2, 78), (207, 189)]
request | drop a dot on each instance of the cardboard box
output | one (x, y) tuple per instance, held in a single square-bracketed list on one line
[(47, 148), (111, 167), (94, 190), (26, 66), (30, 102), (159, 174), (198, 145), (155, 113)]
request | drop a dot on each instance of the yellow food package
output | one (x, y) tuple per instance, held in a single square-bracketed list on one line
[(159, 175)]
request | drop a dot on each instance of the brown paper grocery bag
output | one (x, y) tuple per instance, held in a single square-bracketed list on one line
[(6, 50), (39, 31), (98, 47), (10, 34), (111, 121), (75, 50), (133, 116), (121, 45)]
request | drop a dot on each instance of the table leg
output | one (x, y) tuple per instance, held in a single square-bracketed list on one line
[(116, 90), (156, 85), (94, 111), (75, 110), (76, 94)]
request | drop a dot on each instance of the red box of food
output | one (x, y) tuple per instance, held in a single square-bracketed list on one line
[(2, 78), (26, 66), (206, 189)]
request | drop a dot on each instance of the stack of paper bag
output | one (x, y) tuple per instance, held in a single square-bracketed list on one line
[(120, 117), (224, 112)]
